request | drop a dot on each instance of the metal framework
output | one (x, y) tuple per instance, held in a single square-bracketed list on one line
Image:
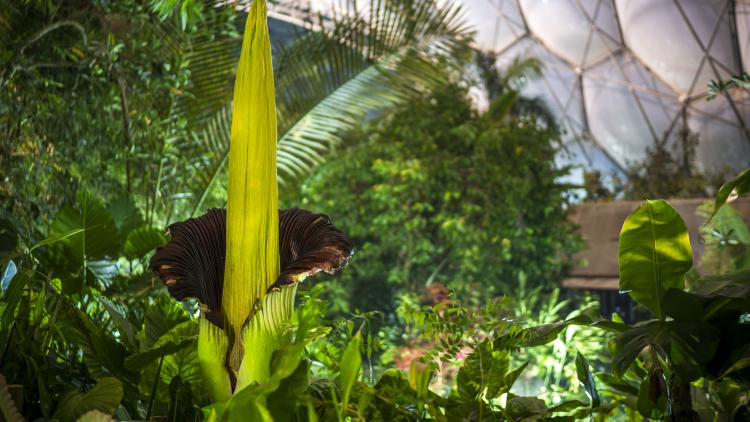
[(615, 64), (672, 100)]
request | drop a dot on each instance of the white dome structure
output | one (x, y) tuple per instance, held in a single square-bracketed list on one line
[(623, 75), (620, 75)]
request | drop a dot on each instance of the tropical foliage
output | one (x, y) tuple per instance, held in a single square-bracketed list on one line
[(117, 119), (426, 178), (116, 348), (157, 77)]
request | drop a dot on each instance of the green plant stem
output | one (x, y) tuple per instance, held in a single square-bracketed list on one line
[(153, 388), (7, 343), (48, 339), (682, 403), (157, 189)]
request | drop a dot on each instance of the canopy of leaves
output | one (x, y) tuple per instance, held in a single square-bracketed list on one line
[(448, 195)]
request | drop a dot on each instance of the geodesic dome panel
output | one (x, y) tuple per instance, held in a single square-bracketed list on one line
[(504, 19), (620, 75), (586, 31), (719, 129), (560, 89), (742, 19), (627, 107), (624, 75), (686, 43)]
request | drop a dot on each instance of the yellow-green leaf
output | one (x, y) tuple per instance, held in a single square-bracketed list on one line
[(654, 254)]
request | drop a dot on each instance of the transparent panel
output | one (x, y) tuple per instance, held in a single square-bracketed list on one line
[(742, 13), (498, 23), (560, 90), (628, 109), (587, 154), (511, 27), (573, 36), (723, 142), (616, 94), (558, 87), (669, 37)]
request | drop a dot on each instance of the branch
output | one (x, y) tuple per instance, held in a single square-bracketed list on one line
[(46, 30)]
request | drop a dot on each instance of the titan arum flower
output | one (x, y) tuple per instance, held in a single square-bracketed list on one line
[(243, 264)]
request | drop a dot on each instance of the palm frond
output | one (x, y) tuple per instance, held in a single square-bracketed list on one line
[(317, 64), (212, 60), (328, 81)]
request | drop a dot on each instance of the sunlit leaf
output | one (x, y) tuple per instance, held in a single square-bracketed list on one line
[(351, 363), (105, 396), (654, 254), (142, 241), (740, 185), (587, 380)]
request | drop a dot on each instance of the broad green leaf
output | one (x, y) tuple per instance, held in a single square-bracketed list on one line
[(617, 385), (285, 401), (125, 214), (160, 317), (543, 334), (178, 346), (394, 385), (126, 329), (175, 340), (630, 343), (142, 241), (654, 254), (519, 408), (740, 185), (351, 363), (721, 298), (587, 379), (95, 416), (598, 322), (98, 237), (104, 356), (683, 306), (690, 344), (105, 396)]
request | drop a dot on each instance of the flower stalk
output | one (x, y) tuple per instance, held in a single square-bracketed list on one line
[(252, 257), (243, 264)]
